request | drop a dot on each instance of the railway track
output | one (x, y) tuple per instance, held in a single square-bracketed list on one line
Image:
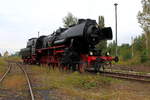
[(120, 75), (28, 80), (134, 77), (12, 64), (5, 74)]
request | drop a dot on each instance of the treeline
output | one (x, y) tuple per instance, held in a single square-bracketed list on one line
[(139, 51), (136, 53)]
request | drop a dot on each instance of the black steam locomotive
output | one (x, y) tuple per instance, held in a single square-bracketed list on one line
[(69, 48)]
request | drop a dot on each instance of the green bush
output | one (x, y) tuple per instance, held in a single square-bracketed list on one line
[(144, 58)]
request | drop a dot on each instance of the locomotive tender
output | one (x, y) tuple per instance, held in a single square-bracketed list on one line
[(72, 48)]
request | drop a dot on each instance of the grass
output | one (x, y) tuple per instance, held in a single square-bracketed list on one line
[(136, 60), (3, 64), (74, 84), (129, 62), (2, 61), (14, 82), (57, 79), (77, 86), (12, 58)]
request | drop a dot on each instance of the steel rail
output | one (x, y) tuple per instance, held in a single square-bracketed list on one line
[(4, 75), (141, 78), (28, 80), (127, 76)]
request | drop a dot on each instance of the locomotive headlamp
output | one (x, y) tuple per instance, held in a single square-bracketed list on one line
[(91, 53)]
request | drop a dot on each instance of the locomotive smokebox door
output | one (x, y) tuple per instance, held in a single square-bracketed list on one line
[(106, 33)]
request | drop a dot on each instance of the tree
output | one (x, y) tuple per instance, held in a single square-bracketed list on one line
[(144, 19), (144, 16), (101, 21), (0, 54), (125, 52), (102, 45), (112, 47), (6, 54), (139, 44), (69, 20)]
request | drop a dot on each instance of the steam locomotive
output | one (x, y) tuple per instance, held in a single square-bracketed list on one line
[(70, 48)]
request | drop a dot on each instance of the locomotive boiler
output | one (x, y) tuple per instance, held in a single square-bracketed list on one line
[(68, 47)]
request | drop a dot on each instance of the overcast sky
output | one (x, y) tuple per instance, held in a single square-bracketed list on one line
[(22, 19)]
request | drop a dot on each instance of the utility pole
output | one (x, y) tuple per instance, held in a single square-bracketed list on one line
[(132, 42), (38, 34), (116, 28), (146, 41)]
